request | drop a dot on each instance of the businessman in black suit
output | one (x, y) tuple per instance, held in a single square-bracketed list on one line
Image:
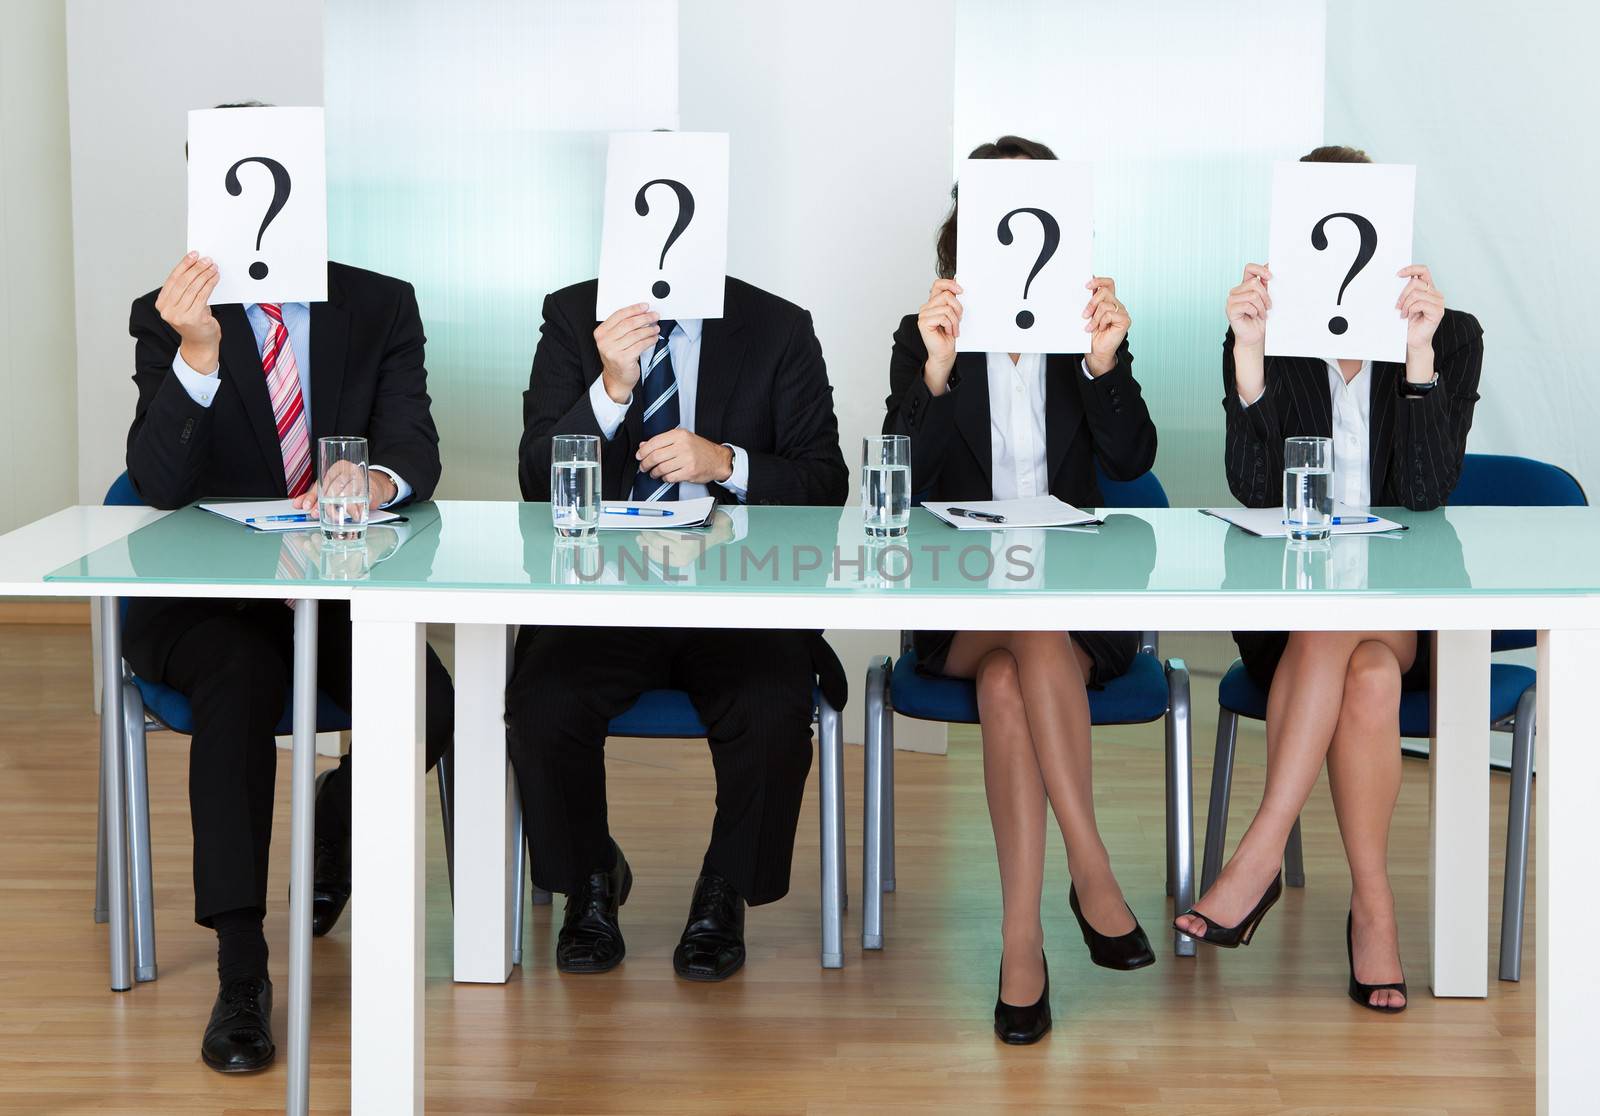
[(231, 402), (738, 408)]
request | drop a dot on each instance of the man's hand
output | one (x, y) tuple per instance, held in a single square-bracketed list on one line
[(181, 302), (344, 479), (678, 456), (621, 339)]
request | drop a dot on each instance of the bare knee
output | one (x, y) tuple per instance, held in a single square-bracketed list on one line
[(1372, 682), (999, 687)]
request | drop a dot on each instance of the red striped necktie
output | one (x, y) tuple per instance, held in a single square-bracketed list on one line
[(288, 404)]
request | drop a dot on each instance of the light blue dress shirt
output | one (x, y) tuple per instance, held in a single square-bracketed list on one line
[(683, 347), (297, 320)]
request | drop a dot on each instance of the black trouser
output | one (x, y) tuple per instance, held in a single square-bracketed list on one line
[(753, 692), (234, 661)]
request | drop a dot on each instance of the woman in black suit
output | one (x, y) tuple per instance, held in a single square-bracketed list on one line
[(998, 426), (1399, 432)]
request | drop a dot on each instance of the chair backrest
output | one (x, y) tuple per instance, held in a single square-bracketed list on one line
[(122, 494), (1505, 481), (1141, 492)]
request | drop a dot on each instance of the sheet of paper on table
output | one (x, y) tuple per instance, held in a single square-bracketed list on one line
[(1035, 511), (643, 515), (1267, 523), (278, 515)]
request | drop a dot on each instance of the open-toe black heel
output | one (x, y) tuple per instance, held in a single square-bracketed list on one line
[(1231, 937), (1362, 993), (1023, 1026), (1124, 952)]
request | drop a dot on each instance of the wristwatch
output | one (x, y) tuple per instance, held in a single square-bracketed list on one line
[(1416, 391)]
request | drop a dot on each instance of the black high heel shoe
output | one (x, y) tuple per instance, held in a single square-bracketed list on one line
[(1023, 1026), (1231, 937), (1125, 952), (1362, 993)]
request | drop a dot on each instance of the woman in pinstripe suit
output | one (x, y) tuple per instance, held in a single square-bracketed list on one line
[(1399, 432)]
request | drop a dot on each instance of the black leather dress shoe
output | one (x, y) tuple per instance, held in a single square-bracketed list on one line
[(712, 946), (239, 1037), (591, 938), (1023, 1025), (330, 888)]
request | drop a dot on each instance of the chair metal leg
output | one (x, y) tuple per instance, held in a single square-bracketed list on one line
[(888, 797), (447, 802), (1180, 797), (143, 914), (876, 712), (1294, 861), (830, 811), (101, 913), (112, 795), (302, 840), (1513, 901), (519, 865), (1221, 791)]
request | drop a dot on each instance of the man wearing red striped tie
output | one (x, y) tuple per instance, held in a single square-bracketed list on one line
[(232, 400)]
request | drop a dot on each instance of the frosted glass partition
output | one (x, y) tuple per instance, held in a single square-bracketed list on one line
[(466, 154), (1182, 106)]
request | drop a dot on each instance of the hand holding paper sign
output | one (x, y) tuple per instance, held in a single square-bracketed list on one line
[(939, 323), (1107, 325), (1422, 306), (622, 339), (183, 304)]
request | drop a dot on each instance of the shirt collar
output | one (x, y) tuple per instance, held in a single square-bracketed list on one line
[(1338, 374), (691, 327)]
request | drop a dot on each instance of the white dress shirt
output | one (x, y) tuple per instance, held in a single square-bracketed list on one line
[(1352, 413), (683, 348), (297, 320), (1017, 452)]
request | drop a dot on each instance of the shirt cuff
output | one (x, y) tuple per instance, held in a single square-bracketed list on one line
[(1246, 404), (738, 482), (402, 490), (201, 388), (607, 411), (1084, 364)]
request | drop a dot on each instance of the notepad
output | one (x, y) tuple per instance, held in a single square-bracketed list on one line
[(645, 515), (1034, 511), (279, 515), (1267, 523)]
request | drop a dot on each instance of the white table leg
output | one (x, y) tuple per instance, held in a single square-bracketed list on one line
[(485, 839), (1458, 818), (387, 968), (1568, 985)]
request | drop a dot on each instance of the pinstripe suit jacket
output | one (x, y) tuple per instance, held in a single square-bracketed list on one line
[(1416, 443)]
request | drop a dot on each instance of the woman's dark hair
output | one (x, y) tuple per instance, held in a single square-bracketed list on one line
[(1006, 147), (1336, 154)]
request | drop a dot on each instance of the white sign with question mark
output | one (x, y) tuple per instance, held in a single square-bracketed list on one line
[(665, 240), (258, 202), (1023, 247), (1340, 233)]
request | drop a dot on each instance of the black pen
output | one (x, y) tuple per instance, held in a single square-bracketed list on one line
[(987, 517)]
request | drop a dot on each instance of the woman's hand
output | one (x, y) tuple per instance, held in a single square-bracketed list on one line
[(1421, 304), (1248, 304), (939, 323), (1107, 324)]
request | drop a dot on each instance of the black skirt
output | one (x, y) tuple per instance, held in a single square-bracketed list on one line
[(1112, 653), (1261, 651)]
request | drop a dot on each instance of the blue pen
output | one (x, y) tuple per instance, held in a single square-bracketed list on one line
[(660, 512), (301, 518), (1341, 520)]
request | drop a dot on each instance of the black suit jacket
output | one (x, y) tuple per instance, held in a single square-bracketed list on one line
[(951, 450), (761, 386), (367, 380), (1417, 443)]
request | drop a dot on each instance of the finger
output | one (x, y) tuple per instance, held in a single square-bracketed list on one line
[(945, 299), (184, 304), (180, 268), (1257, 271), (636, 339), (949, 285), (621, 324), (192, 276), (617, 316), (658, 468), (1101, 281), (307, 499), (1419, 271)]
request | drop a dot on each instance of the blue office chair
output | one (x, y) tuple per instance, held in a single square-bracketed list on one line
[(146, 705), (670, 715), (1486, 479), (1149, 691)]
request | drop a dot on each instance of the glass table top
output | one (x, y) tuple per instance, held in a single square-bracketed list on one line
[(503, 545)]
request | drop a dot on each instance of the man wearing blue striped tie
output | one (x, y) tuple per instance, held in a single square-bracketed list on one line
[(738, 408)]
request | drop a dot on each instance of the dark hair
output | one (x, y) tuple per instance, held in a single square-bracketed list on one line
[(1006, 147), (1336, 153)]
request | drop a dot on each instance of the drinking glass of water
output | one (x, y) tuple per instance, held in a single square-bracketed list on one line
[(1308, 487), (886, 485), (575, 485), (343, 492)]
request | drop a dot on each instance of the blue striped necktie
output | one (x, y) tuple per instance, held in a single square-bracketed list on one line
[(659, 396)]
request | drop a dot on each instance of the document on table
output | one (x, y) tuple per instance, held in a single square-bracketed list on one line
[(1267, 523), (655, 515), (279, 515), (996, 515)]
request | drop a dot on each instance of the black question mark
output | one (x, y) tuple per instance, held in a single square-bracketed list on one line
[(1369, 245), (1052, 239), (280, 194), (661, 288)]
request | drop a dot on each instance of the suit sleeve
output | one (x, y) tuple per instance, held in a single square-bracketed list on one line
[(929, 420), (1253, 445), (1430, 436), (806, 466), (1119, 421), (400, 431), (557, 402), (169, 442)]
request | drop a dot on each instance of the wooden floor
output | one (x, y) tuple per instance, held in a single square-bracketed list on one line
[(1262, 1030)]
